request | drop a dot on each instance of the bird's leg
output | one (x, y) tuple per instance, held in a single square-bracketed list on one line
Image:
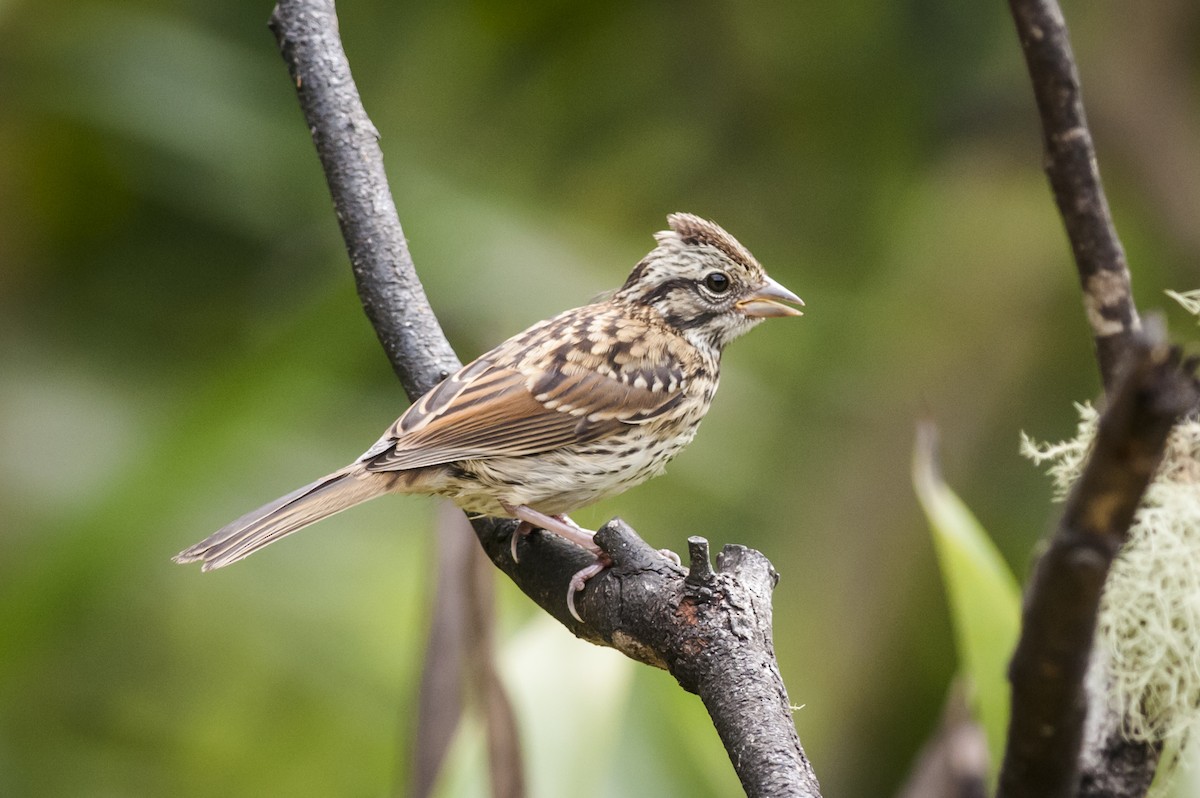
[(558, 524), (563, 526)]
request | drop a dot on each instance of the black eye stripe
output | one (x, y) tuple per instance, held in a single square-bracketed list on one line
[(664, 290), (701, 288)]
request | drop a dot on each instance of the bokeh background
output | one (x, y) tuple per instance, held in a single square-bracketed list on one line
[(180, 341)]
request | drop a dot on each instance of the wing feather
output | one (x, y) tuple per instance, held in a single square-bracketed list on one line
[(565, 381)]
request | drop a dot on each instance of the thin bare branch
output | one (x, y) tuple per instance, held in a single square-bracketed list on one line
[(440, 699), (1075, 178), (348, 147), (505, 765)]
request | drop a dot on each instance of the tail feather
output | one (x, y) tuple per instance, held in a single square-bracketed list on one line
[(328, 495)]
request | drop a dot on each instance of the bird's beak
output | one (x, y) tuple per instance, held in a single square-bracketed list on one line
[(766, 301)]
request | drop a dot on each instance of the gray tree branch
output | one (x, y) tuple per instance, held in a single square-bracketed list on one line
[(1049, 703), (348, 147), (1047, 751), (1075, 179), (711, 629)]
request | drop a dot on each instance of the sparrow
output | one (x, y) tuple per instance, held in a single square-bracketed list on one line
[(577, 408)]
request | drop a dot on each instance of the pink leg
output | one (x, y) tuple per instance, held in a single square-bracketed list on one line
[(558, 524), (564, 527)]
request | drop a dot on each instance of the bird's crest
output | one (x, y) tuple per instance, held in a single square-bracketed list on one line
[(691, 230)]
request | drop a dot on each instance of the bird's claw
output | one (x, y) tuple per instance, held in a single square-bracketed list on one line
[(564, 527), (523, 529), (579, 581), (670, 555)]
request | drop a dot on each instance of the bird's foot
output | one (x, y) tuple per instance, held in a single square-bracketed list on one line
[(564, 527), (560, 525), (580, 579)]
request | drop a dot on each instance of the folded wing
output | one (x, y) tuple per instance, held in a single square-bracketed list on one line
[(502, 405)]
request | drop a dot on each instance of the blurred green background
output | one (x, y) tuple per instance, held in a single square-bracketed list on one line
[(180, 341)]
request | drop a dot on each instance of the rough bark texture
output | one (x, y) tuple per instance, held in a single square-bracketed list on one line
[(1048, 670), (1075, 178), (712, 630), (1117, 768), (1111, 765)]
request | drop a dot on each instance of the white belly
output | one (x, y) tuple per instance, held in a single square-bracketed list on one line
[(566, 479)]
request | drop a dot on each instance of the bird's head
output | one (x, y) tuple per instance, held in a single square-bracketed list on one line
[(705, 284)]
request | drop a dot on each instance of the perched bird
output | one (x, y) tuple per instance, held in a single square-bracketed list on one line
[(574, 409)]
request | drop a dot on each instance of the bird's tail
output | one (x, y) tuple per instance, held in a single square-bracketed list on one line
[(328, 495)]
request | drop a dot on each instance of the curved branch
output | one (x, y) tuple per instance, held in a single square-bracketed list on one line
[(1049, 701), (1075, 178), (712, 630), (348, 147)]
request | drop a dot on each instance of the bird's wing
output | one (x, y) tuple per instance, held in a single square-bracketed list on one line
[(568, 380)]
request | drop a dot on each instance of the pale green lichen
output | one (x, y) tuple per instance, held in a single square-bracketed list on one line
[(1189, 300), (1149, 623), (1066, 458), (1150, 614)]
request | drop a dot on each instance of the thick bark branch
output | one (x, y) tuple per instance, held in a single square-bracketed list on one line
[(1048, 670), (712, 630), (1075, 178)]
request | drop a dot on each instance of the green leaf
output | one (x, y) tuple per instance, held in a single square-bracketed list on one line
[(985, 601)]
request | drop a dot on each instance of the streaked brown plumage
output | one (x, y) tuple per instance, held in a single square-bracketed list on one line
[(578, 407)]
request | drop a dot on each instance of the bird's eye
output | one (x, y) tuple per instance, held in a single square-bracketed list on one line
[(717, 282)]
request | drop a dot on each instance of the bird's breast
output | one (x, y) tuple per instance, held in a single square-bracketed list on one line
[(565, 479)]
